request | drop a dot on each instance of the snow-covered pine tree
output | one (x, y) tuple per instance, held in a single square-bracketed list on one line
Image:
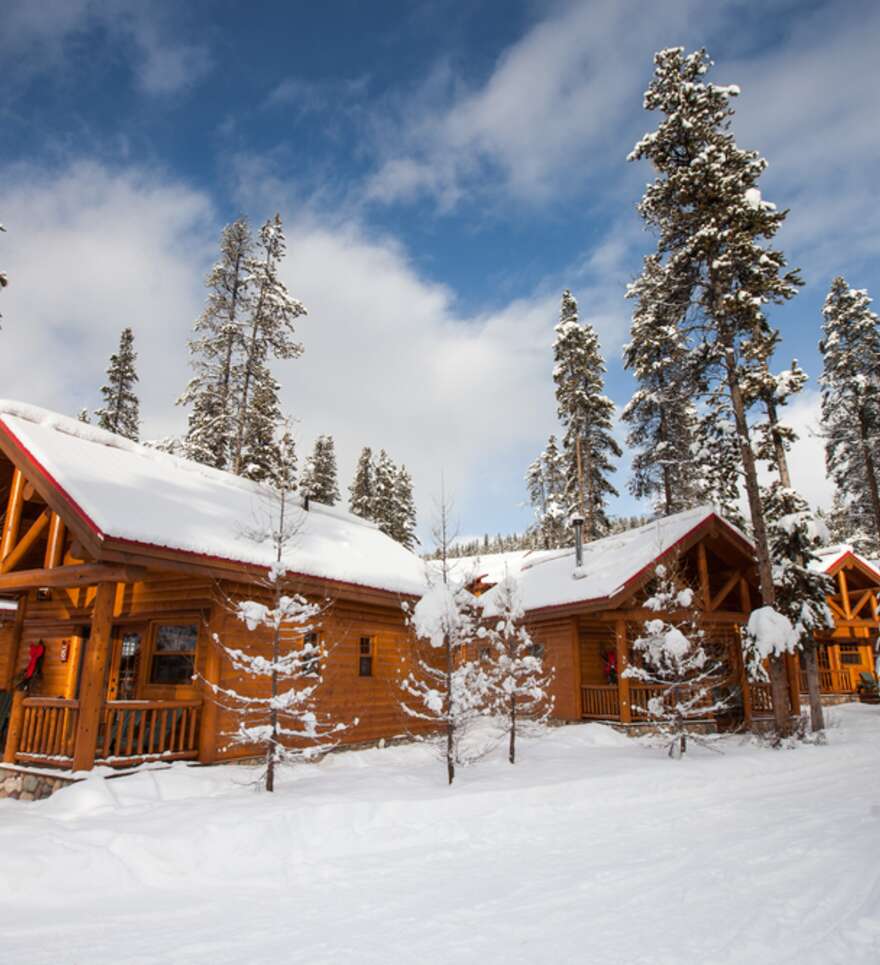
[(671, 657), (83, 416), (546, 484), (850, 349), (801, 589), (384, 482), (661, 413), (586, 414), (281, 660), (215, 350), (404, 510), (447, 686), (319, 476), (714, 232), (270, 331), (520, 682), (260, 454), (717, 467), (362, 488), (120, 412)]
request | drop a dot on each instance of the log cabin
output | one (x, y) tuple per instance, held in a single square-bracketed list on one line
[(119, 563), (847, 655), (585, 617)]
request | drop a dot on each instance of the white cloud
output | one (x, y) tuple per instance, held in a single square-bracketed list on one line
[(807, 457), (389, 360)]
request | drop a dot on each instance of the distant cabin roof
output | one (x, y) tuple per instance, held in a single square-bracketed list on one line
[(130, 492), (549, 578), (830, 556)]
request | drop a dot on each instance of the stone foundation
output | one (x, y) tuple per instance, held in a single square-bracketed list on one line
[(29, 783)]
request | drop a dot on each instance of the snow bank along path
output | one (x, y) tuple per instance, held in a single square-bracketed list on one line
[(595, 848)]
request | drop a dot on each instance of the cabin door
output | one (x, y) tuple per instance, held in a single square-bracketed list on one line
[(125, 667), (856, 659)]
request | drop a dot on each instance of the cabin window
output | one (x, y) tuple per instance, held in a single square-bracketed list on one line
[(537, 650), (311, 664), (174, 651), (365, 657), (850, 653), (484, 653)]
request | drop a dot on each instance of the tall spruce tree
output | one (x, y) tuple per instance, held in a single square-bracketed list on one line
[(120, 412), (215, 350), (545, 482), (260, 452), (586, 414), (269, 334), (851, 411), (714, 256), (319, 476), (384, 479), (661, 413), (362, 488), (403, 515)]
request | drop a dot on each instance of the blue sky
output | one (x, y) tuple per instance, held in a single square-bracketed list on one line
[(443, 170)]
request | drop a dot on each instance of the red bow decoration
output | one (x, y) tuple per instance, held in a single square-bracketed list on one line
[(36, 653)]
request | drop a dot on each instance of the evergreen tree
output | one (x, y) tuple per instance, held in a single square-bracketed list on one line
[(362, 488), (673, 661), (384, 481), (319, 476), (546, 484), (851, 411), (120, 412), (586, 414), (520, 684), (403, 516), (278, 714), (661, 413), (270, 334), (215, 349), (83, 416), (714, 258), (260, 451)]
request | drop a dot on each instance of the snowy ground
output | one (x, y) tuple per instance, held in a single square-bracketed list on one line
[(593, 849)]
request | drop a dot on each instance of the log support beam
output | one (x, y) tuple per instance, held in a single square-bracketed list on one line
[(79, 574), (623, 695), (16, 712), (12, 520), (703, 565), (54, 542), (721, 595), (17, 554), (92, 688)]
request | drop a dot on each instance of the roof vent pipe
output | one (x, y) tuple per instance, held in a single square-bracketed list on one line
[(577, 521)]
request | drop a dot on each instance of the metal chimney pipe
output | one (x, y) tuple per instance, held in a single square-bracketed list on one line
[(577, 521)]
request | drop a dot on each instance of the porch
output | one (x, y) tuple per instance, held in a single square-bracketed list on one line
[(50, 732)]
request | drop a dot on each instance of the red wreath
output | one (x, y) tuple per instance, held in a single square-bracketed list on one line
[(37, 652), (610, 666)]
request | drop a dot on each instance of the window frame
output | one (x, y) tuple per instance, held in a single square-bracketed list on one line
[(152, 654), (365, 657), (312, 666)]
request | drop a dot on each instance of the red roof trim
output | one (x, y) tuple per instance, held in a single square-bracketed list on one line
[(637, 576), (121, 541), (860, 561)]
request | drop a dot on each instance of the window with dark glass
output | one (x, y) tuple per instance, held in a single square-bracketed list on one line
[(850, 653), (311, 663), (174, 651), (537, 650), (365, 657)]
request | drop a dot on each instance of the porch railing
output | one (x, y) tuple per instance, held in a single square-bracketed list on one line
[(641, 694), (830, 682), (137, 730), (48, 730), (600, 702)]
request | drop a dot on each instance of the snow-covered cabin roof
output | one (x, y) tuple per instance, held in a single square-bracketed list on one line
[(550, 579), (830, 556), (135, 494), (489, 567)]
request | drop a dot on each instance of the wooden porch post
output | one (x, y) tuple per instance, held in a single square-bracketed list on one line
[(16, 711), (12, 522), (54, 542), (91, 696), (622, 663), (793, 670), (211, 673)]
